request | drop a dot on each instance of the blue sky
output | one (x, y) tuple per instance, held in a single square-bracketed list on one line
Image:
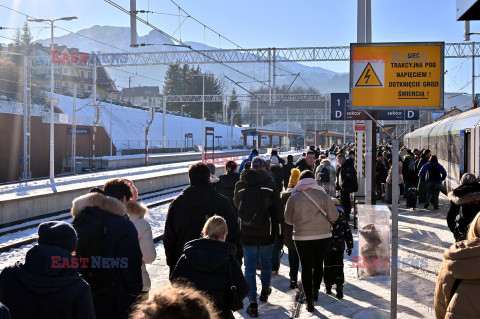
[(267, 23)]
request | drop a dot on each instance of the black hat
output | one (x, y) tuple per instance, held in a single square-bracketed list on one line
[(59, 234)]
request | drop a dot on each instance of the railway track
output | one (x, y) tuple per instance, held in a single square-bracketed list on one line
[(64, 216)]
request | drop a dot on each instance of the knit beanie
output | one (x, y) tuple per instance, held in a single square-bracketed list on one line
[(294, 177), (59, 234)]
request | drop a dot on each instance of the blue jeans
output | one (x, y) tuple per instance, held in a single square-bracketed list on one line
[(250, 256), (276, 257)]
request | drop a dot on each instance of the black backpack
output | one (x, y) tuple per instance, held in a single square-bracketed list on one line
[(325, 174), (434, 173), (252, 208), (90, 228)]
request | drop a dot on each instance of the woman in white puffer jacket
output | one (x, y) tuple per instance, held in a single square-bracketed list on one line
[(136, 212)]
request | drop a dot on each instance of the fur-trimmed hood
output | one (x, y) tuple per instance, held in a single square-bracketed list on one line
[(106, 203), (465, 194), (136, 209)]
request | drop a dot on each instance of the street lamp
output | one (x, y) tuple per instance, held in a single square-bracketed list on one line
[(52, 85)]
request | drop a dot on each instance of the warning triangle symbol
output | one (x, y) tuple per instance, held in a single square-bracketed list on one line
[(369, 77)]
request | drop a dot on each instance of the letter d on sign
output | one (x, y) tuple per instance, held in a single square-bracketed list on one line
[(410, 114), (338, 114)]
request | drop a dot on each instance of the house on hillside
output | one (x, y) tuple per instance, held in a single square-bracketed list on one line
[(68, 74), (142, 95)]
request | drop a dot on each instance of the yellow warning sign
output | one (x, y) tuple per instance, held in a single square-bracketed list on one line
[(368, 77), (397, 75)]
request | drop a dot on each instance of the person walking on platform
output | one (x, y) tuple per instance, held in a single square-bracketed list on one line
[(287, 168), (408, 172), (253, 153), (136, 212), (464, 206), (310, 210), (293, 260), (341, 235), (209, 263), (46, 284), (389, 181), (458, 282), (306, 163), (434, 174), (106, 233), (346, 182), (258, 201), (422, 184), (277, 172), (226, 183), (325, 177), (188, 212), (382, 168)]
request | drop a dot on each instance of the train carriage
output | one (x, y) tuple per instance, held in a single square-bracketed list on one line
[(455, 141)]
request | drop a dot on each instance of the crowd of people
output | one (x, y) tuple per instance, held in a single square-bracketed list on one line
[(95, 267)]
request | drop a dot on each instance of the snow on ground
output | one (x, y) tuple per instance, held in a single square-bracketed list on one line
[(130, 124)]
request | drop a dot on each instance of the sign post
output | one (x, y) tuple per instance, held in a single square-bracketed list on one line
[(396, 77)]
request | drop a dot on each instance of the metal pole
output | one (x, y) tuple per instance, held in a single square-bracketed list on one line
[(111, 131), (258, 136), (74, 128), (164, 121), (231, 129), (52, 109), (29, 126), (315, 132), (95, 107), (269, 77), (288, 138), (25, 118), (203, 117), (473, 73), (181, 130), (344, 131), (394, 261)]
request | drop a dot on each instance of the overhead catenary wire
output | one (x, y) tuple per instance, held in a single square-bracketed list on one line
[(180, 42)]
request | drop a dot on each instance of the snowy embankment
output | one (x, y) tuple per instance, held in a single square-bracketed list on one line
[(129, 124)]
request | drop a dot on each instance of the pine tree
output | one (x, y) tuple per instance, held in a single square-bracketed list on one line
[(234, 105), (26, 38)]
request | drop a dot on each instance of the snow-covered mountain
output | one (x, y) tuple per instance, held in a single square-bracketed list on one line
[(117, 39)]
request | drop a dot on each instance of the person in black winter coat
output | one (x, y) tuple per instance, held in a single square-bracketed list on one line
[(287, 169), (277, 172), (258, 241), (119, 242), (346, 182), (422, 184), (306, 163), (209, 263), (4, 312), (189, 211), (381, 174), (333, 265), (226, 183), (47, 284), (464, 206)]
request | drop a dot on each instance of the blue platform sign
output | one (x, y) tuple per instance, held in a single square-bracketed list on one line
[(341, 112)]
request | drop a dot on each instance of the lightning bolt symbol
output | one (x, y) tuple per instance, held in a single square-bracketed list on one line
[(367, 76)]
